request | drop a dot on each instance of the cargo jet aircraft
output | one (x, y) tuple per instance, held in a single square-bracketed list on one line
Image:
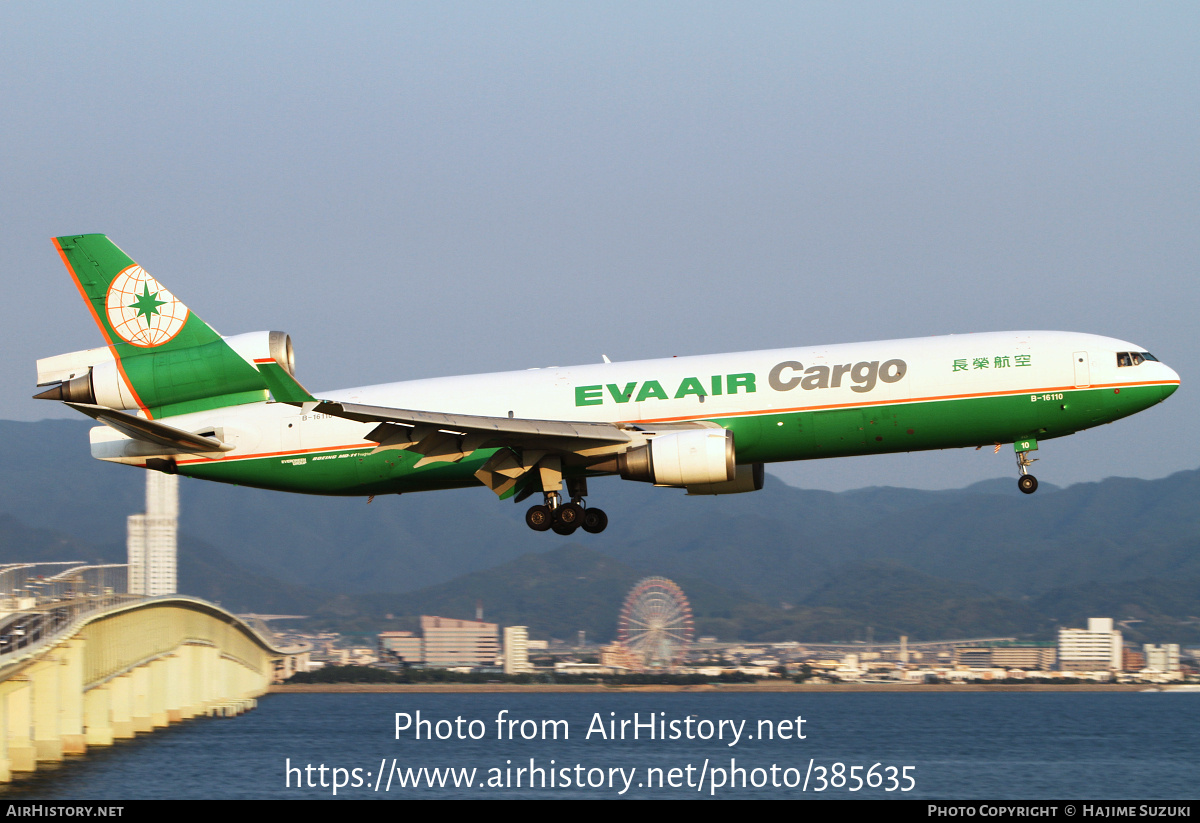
[(177, 397)]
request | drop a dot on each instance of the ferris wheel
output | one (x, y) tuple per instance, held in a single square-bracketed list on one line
[(656, 622)]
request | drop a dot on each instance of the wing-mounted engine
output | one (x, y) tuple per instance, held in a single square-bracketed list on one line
[(750, 478), (686, 458)]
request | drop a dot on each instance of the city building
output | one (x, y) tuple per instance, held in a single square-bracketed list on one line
[(516, 650), (151, 538), (618, 656), (353, 657), (1006, 655), (1164, 658), (572, 667), (1132, 660), (1096, 648), (405, 645), (449, 642)]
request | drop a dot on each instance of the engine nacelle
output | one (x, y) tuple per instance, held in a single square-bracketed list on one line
[(88, 377), (750, 478), (259, 345), (688, 458)]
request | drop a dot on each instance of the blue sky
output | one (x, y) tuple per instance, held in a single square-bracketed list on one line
[(413, 190)]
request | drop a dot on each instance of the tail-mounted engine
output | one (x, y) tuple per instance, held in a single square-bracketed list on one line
[(166, 377)]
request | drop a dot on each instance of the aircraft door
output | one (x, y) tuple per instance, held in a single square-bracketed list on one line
[(1083, 372)]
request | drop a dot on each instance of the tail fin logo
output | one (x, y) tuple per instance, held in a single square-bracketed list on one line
[(141, 311)]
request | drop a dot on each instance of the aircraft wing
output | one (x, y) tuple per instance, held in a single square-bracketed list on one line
[(406, 428), (151, 431), (524, 445), (498, 430)]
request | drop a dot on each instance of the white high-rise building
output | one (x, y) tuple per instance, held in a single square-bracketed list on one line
[(516, 650), (1096, 648), (449, 643), (1164, 658), (152, 542)]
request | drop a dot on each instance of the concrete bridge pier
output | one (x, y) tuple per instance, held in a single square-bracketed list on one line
[(122, 705), (140, 710), (174, 698), (97, 716), (125, 669), (18, 702), (47, 739), (70, 717), (158, 693)]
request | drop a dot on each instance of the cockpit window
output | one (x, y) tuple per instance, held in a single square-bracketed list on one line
[(1134, 358)]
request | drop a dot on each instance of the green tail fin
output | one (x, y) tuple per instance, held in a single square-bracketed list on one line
[(131, 308), (171, 360)]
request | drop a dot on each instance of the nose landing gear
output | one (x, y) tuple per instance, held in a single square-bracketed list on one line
[(1027, 483)]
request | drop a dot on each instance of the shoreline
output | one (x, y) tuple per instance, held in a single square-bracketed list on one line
[(732, 688)]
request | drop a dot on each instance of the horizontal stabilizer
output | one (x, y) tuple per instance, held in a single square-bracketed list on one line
[(283, 387), (151, 431)]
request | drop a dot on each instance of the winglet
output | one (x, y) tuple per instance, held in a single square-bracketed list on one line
[(284, 388)]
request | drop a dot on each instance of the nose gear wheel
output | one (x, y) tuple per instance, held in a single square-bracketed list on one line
[(1027, 483)]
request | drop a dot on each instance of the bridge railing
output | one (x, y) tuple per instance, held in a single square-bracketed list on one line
[(40, 601), (20, 582)]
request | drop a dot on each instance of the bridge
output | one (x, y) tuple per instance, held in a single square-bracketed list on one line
[(84, 664)]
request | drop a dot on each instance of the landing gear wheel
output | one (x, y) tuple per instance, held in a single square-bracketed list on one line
[(563, 528), (594, 521), (568, 514), (1027, 483), (539, 518)]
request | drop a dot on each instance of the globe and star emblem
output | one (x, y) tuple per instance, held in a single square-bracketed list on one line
[(141, 311)]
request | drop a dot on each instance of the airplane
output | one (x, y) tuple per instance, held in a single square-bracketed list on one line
[(175, 396)]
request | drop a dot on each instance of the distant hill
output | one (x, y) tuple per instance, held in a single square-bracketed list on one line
[(573, 588), (203, 570), (558, 593)]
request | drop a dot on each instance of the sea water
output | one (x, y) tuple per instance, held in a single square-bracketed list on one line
[(944, 745)]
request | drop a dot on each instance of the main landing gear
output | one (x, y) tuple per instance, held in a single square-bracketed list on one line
[(565, 518), (1026, 482)]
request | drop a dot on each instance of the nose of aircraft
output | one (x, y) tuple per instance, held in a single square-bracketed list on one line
[(1168, 389)]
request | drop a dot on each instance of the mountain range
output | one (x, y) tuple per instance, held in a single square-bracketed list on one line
[(782, 563)]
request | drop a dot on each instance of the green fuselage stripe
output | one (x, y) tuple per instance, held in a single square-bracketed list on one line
[(767, 437)]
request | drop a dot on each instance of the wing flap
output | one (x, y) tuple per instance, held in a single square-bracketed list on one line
[(409, 426)]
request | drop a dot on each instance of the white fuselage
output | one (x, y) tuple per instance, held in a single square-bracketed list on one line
[(705, 387)]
